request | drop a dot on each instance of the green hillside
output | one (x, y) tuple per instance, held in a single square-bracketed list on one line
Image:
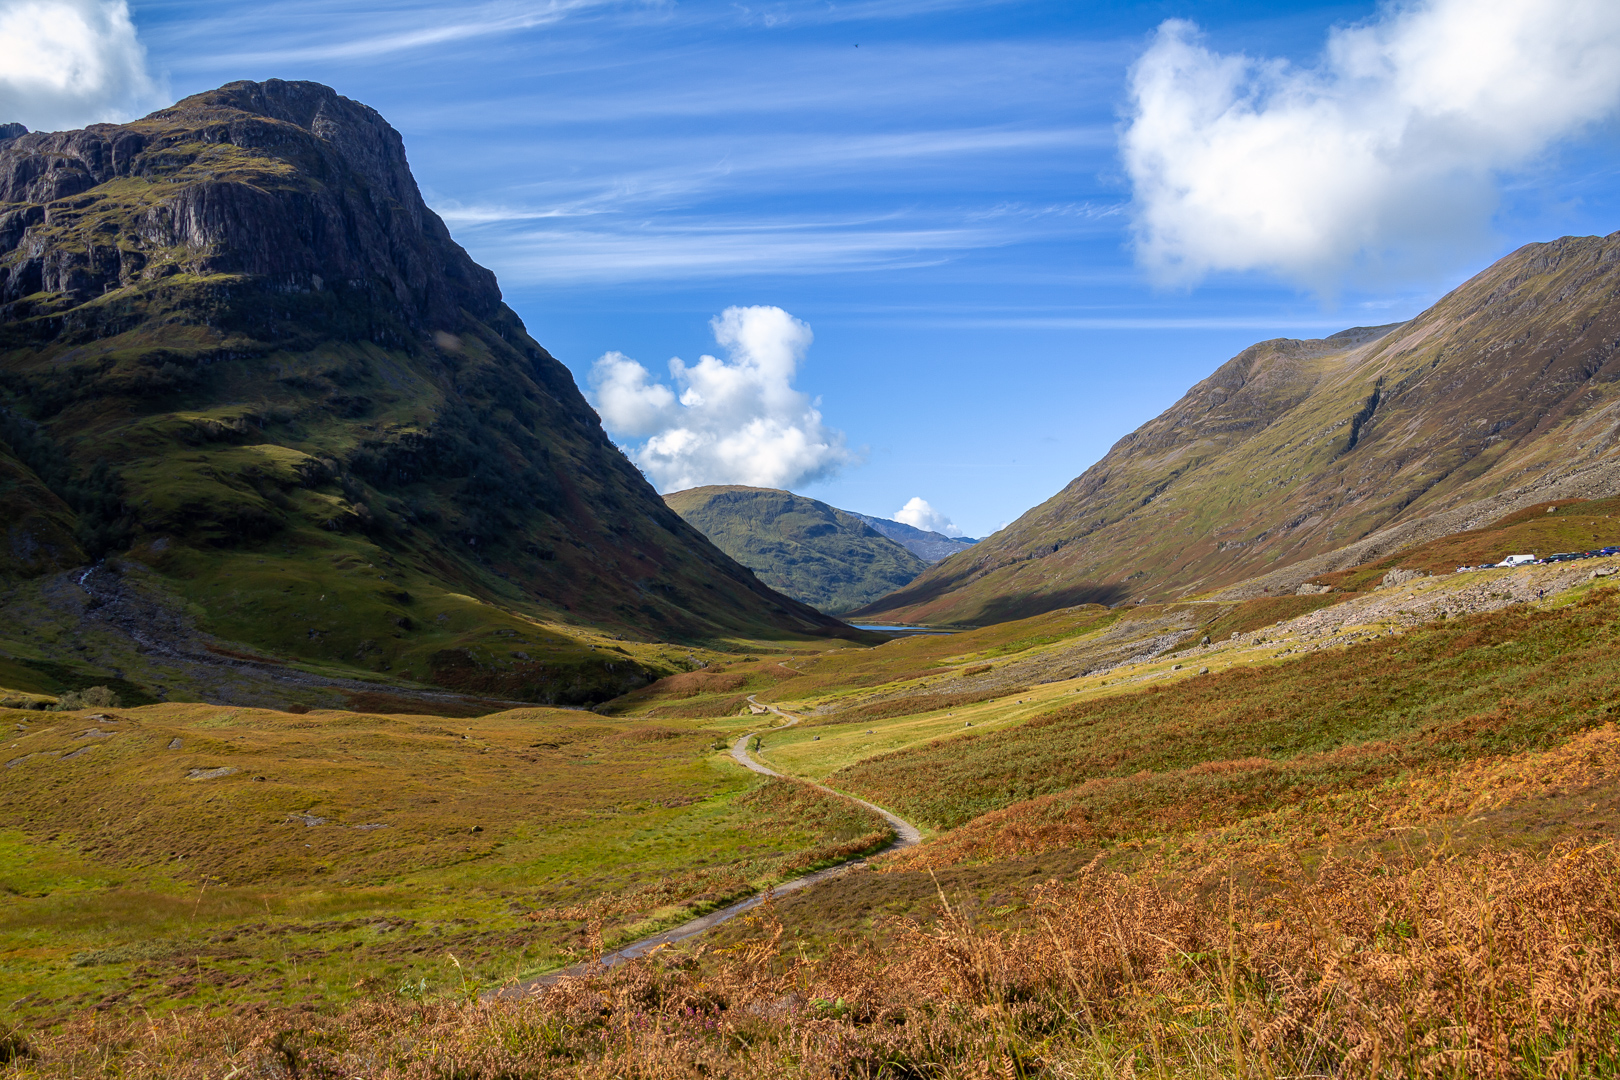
[(240, 357), (829, 558), (1503, 394)]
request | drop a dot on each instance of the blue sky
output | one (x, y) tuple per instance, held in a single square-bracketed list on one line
[(937, 189)]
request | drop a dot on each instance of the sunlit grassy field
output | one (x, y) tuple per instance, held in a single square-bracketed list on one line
[(1452, 691), (186, 854), (1369, 853)]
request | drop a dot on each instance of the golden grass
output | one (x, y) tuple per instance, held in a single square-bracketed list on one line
[(1330, 721), (1386, 860), (313, 852), (1500, 964), (1572, 788)]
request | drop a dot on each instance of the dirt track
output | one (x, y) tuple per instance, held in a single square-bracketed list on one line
[(906, 834)]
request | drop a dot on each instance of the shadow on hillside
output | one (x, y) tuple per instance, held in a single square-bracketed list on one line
[(1024, 605)]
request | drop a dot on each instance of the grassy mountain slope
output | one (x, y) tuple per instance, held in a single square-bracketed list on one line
[(1431, 695), (1502, 394), (828, 558), (39, 534), (238, 346)]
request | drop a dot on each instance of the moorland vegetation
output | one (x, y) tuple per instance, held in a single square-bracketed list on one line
[(1299, 457), (1227, 773), (1388, 852)]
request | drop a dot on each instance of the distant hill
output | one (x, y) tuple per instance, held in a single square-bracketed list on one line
[(828, 558), (241, 355), (927, 545), (1298, 457)]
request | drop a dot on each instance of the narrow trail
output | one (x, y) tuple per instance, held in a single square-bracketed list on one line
[(905, 835)]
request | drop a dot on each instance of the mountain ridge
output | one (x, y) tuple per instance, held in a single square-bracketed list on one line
[(242, 353), (829, 558), (1295, 450), (927, 545)]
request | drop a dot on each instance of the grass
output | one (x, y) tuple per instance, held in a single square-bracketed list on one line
[(163, 891), (1424, 962), (1388, 857), (1460, 689), (819, 751), (934, 656), (1564, 525), (719, 688)]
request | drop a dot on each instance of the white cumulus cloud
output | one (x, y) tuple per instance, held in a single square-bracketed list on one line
[(67, 63), (735, 421), (919, 515), (1387, 151)]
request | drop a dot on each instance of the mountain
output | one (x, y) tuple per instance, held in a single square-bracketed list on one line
[(239, 354), (1297, 457), (828, 558), (927, 545)]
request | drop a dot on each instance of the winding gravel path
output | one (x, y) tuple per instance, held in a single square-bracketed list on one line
[(905, 835)]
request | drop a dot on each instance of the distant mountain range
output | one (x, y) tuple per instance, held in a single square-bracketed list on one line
[(831, 559), (243, 362), (1298, 457), (927, 545)]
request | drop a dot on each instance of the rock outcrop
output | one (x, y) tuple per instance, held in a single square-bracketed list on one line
[(287, 182), (237, 345)]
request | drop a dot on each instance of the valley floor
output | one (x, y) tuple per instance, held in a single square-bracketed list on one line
[(1364, 832)]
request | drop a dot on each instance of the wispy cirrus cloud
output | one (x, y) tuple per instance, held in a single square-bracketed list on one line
[(303, 31), (666, 250), (676, 219), (818, 12), (456, 214), (1214, 322), (897, 87), (692, 169)]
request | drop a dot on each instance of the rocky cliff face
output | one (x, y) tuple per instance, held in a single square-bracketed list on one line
[(288, 183), (237, 346), (1506, 392)]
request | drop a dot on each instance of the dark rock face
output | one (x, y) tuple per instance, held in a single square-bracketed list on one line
[(232, 330), (342, 211)]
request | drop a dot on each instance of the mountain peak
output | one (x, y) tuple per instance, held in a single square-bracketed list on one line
[(287, 181), (241, 353), (1315, 454), (367, 142), (828, 558)]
